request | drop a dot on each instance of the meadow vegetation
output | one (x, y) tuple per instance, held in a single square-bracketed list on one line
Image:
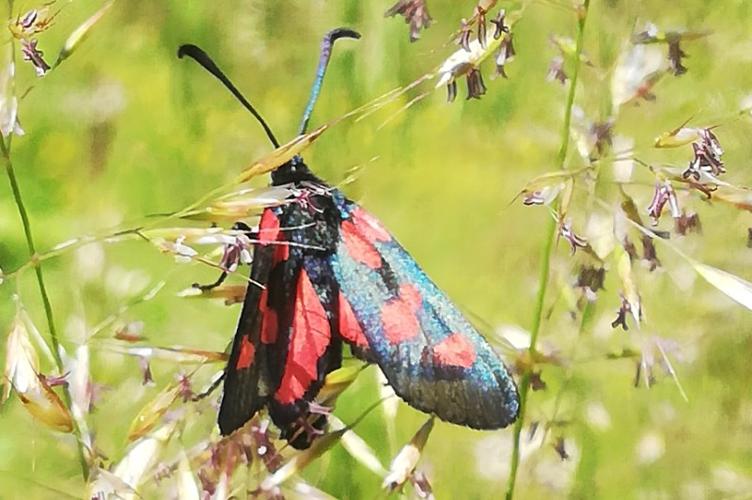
[(583, 199)]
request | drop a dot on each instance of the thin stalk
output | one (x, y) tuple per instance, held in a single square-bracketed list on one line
[(548, 245), (5, 148), (33, 254), (587, 314)]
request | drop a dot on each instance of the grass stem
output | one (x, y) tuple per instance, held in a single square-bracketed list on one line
[(548, 245), (5, 148)]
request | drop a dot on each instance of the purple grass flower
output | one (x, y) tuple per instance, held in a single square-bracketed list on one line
[(415, 13), (35, 56)]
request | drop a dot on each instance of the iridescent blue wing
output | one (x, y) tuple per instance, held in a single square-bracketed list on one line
[(431, 355)]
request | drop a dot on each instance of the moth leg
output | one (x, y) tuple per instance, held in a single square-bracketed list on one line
[(211, 286), (315, 408), (308, 429), (238, 226), (211, 389), (242, 226)]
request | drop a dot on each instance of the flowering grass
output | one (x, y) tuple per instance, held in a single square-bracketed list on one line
[(587, 207)]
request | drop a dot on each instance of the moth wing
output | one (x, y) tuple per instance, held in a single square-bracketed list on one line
[(431, 355), (309, 347), (249, 376)]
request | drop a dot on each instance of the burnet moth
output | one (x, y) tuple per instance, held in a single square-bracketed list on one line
[(327, 273)]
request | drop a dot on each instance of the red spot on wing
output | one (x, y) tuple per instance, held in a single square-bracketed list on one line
[(360, 249), (455, 350), (246, 354), (349, 328), (309, 339), (268, 227), (411, 295), (399, 315), (369, 226), (281, 253), (269, 324), (270, 232)]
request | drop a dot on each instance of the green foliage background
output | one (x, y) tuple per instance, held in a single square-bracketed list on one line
[(123, 129)]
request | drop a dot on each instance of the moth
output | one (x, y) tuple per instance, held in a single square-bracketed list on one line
[(325, 274)]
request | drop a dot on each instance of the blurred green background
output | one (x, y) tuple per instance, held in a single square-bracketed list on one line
[(123, 129)]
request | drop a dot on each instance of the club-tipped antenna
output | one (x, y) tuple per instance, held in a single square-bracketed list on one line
[(201, 57), (326, 54)]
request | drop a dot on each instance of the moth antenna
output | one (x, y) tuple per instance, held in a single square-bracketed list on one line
[(326, 53), (201, 57)]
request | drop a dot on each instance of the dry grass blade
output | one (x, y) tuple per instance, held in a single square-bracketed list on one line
[(35, 335), (153, 412), (638, 70), (670, 368), (79, 380), (281, 155), (358, 448), (124, 480), (733, 286), (300, 461), (21, 360), (22, 375), (9, 123), (231, 294), (46, 406), (302, 490), (629, 287), (680, 136), (80, 388), (187, 487), (82, 32), (544, 188), (190, 235), (241, 204), (176, 354), (336, 382), (741, 198), (106, 485), (406, 460)]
